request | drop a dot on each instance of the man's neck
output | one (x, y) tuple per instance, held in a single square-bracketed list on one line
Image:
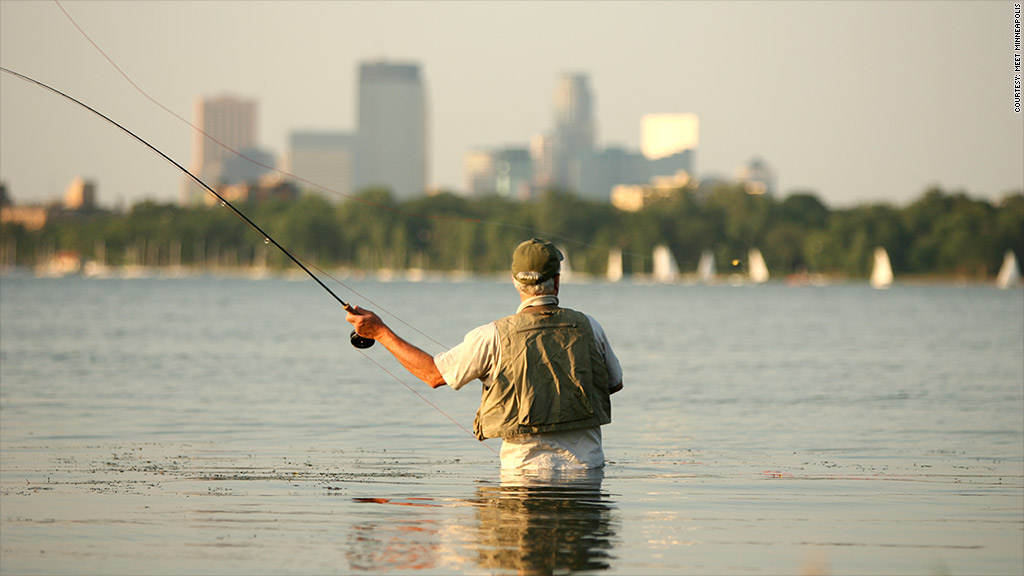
[(527, 301)]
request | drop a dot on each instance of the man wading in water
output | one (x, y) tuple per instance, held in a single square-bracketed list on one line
[(547, 372)]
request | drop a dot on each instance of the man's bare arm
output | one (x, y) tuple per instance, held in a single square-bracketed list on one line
[(416, 361)]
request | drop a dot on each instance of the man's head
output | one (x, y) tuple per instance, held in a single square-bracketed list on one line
[(535, 263)]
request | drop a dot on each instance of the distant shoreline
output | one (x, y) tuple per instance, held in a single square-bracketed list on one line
[(416, 275)]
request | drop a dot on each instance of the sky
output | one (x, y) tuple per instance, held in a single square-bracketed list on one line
[(856, 102)]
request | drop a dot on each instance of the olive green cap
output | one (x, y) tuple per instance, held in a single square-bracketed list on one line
[(535, 261)]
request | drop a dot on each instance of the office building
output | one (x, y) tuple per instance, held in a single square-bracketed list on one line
[(506, 172), (227, 125), (248, 166), (574, 133), (392, 149), (604, 169), (323, 161)]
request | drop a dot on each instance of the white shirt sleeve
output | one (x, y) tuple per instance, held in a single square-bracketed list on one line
[(605, 347), (474, 358)]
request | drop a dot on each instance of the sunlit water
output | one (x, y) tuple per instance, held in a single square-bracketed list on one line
[(208, 425)]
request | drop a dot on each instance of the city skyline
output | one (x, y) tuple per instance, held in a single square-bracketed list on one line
[(899, 97)]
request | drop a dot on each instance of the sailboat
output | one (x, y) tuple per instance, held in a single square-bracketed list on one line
[(881, 274), (566, 268), (665, 267), (1009, 273), (614, 273), (758, 270), (706, 269)]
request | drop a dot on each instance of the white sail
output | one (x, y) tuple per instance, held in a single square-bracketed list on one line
[(665, 267), (758, 270), (566, 268), (1009, 273), (881, 274), (614, 265), (706, 269)]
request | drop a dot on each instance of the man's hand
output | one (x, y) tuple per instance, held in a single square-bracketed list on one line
[(366, 323)]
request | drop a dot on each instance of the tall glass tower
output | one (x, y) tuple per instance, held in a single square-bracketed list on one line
[(392, 147), (574, 129)]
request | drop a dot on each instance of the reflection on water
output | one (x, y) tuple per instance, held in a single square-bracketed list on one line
[(544, 525), (396, 542), (529, 524)]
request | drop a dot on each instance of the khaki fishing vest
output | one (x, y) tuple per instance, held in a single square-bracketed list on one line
[(552, 376)]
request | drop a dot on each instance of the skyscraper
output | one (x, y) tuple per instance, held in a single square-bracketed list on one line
[(324, 158), (229, 120), (575, 130), (392, 151)]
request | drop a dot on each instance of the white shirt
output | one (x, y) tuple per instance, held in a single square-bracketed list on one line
[(479, 356)]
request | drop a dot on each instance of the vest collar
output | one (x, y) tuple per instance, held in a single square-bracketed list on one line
[(545, 300)]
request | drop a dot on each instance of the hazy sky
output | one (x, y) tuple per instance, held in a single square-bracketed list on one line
[(856, 101)]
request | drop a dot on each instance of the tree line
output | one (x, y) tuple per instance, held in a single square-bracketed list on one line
[(940, 233)]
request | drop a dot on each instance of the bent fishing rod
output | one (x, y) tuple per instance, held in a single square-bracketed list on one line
[(356, 340)]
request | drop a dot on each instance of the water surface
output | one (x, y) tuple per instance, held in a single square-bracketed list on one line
[(214, 425)]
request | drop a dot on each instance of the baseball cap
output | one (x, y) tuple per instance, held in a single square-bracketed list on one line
[(535, 261)]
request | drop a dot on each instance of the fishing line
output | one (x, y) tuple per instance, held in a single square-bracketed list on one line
[(223, 202), (305, 265), (249, 159), (357, 341), (529, 230)]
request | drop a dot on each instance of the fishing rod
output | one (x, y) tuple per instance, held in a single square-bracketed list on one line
[(356, 340)]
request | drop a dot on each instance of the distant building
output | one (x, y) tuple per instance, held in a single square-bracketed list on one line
[(513, 173), (542, 158), (633, 197), (669, 142), (757, 177), (324, 161), (392, 148), (574, 134), (79, 203), (249, 165), (227, 124), (30, 217), (269, 187), (506, 172), (478, 172), (602, 170), (568, 158), (671, 165), (605, 169), (80, 195)]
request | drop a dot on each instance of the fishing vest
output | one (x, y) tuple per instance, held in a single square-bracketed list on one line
[(552, 376)]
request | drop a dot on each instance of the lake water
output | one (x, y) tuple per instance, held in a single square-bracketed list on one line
[(217, 425)]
